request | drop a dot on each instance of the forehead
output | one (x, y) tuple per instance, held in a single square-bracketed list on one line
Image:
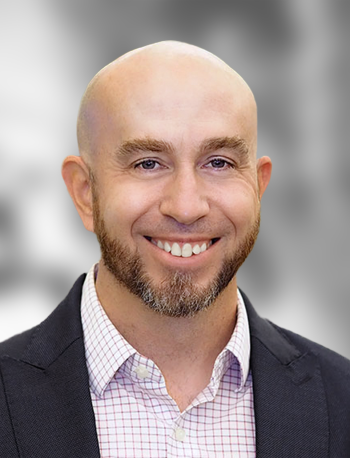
[(175, 102)]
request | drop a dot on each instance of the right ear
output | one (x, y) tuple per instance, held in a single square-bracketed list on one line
[(76, 175)]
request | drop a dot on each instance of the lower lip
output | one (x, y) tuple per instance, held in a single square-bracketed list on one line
[(179, 260)]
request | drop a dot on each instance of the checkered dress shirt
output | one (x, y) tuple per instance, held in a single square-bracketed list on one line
[(136, 417)]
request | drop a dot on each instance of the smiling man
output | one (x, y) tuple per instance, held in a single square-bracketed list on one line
[(156, 353)]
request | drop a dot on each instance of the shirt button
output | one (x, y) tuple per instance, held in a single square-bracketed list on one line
[(180, 434), (142, 372)]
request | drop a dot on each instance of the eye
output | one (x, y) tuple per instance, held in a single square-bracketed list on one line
[(148, 164), (219, 163)]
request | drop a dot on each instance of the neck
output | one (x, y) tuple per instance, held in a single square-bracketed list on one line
[(178, 346)]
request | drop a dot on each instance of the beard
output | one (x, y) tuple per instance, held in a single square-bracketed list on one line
[(177, 295)]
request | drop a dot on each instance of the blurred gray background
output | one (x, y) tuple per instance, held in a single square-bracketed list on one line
[(294, 55)]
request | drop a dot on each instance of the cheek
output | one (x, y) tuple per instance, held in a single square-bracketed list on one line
[(124, 206), (241, 207)]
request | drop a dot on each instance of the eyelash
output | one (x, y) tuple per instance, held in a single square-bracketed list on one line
[(154, 162), (226, 163), (139, 164)]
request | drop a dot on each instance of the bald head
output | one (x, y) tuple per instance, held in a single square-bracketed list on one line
[(158, 71), (167, 138)]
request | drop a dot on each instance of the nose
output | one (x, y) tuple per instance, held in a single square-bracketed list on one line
[(184, 198)]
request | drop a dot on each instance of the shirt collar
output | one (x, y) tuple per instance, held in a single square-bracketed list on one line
[(106, 349), (237, 350)]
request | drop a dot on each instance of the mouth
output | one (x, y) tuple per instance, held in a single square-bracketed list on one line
[(183, 249)]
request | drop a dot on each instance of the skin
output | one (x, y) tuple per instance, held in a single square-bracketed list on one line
[(181, 95)]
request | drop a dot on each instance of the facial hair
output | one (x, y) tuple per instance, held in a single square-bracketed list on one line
[(177, 295)]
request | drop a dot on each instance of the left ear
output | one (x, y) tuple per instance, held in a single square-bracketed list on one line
[(264, 168)]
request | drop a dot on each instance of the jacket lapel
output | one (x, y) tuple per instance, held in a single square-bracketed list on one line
[(47, 388), (289, 399)]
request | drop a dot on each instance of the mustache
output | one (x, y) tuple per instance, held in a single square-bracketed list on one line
[(173, 227)]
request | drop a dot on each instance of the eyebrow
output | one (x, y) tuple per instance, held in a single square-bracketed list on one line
[(144, 145), (234, 143)]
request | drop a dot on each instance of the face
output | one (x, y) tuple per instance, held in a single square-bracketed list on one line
[(175, 191)]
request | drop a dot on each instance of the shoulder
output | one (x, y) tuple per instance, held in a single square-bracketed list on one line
[(288, 346), (58, 329), (330, 361), (335, 368), (15, 346)]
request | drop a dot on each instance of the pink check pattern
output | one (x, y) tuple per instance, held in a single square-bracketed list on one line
[(136, 417)]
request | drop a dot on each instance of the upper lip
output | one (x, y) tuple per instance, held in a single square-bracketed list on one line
[(181, 238)]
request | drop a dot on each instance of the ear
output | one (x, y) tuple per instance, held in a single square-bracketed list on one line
[(77, 178), (264, 168)]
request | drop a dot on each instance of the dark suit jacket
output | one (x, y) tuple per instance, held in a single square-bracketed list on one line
[(301, 392)]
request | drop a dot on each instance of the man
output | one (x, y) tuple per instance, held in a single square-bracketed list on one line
[(156, 352)]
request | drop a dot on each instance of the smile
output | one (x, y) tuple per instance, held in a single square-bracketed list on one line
[(181, 249)]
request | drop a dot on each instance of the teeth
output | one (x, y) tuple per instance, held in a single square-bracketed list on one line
[(196, 249), (175, 249), (186, 251)]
